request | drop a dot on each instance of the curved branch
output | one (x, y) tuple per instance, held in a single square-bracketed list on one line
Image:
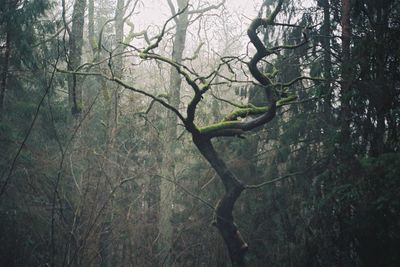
[(173, 11), (161, 35), (244, 111), (187, 191), (230, 126), (257, 186), (229, 102), (129, 87), (99, 42), (289, 175), (178, 67), (261, 49), (300, 78), (22, 145), (155, 98), (237, 128), (203, 10)]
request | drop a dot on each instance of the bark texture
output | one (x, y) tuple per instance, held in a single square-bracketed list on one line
[(346, 74), (167, 189), (75, 56), (224, 220)]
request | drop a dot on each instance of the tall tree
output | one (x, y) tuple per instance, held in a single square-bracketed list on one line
[(230, 126), (9, 8), (346, 74), (167, 190), (75, 55), (17, 29), (110, 257)]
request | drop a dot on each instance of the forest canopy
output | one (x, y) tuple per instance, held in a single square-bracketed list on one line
[(199, 133)]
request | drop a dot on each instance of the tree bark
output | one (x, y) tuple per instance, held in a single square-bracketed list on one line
[(9, 7), (108, 254), (224, 220), (326, 45), (383, 100), (167, 190), (75, 55), (346, 71), (4, 75)]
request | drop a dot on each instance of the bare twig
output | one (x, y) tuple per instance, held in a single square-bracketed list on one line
[(14, 161)]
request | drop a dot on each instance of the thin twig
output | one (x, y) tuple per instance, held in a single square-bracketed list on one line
[(10, 171)]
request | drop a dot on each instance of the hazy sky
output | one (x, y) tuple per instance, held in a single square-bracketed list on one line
[(157, 11), (238, 15)]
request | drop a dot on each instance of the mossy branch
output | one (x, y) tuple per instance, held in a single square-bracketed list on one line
[(244, 112), (223, 125), (249, 110), (231, 126)]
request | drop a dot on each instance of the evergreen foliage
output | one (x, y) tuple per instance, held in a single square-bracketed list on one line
[(86, 190)]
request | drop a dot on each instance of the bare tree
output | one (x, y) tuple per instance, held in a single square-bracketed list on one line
[(75, 54), (235, 124), (182, 21)]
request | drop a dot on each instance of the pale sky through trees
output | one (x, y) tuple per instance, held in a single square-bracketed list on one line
[(230, 21), (235, 16), (156, 11)]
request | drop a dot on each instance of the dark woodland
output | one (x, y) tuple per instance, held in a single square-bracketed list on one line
[(174, 133)]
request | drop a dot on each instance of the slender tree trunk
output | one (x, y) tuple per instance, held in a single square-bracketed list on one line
[(167, 190), (4, 74), (346, 70), (9, 6), (109, 256), (91, 31), (382, 103), (73, 252), (327, 68), (75, 56), (346, 153), (224, 220)]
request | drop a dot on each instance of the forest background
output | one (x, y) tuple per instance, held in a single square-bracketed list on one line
[(130, 128)]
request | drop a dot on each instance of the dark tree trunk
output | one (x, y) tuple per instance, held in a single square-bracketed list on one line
[(346, 77), (224, 220), (382, 100), (9, 7), (327, 68), (75, 55), (4, 75)]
